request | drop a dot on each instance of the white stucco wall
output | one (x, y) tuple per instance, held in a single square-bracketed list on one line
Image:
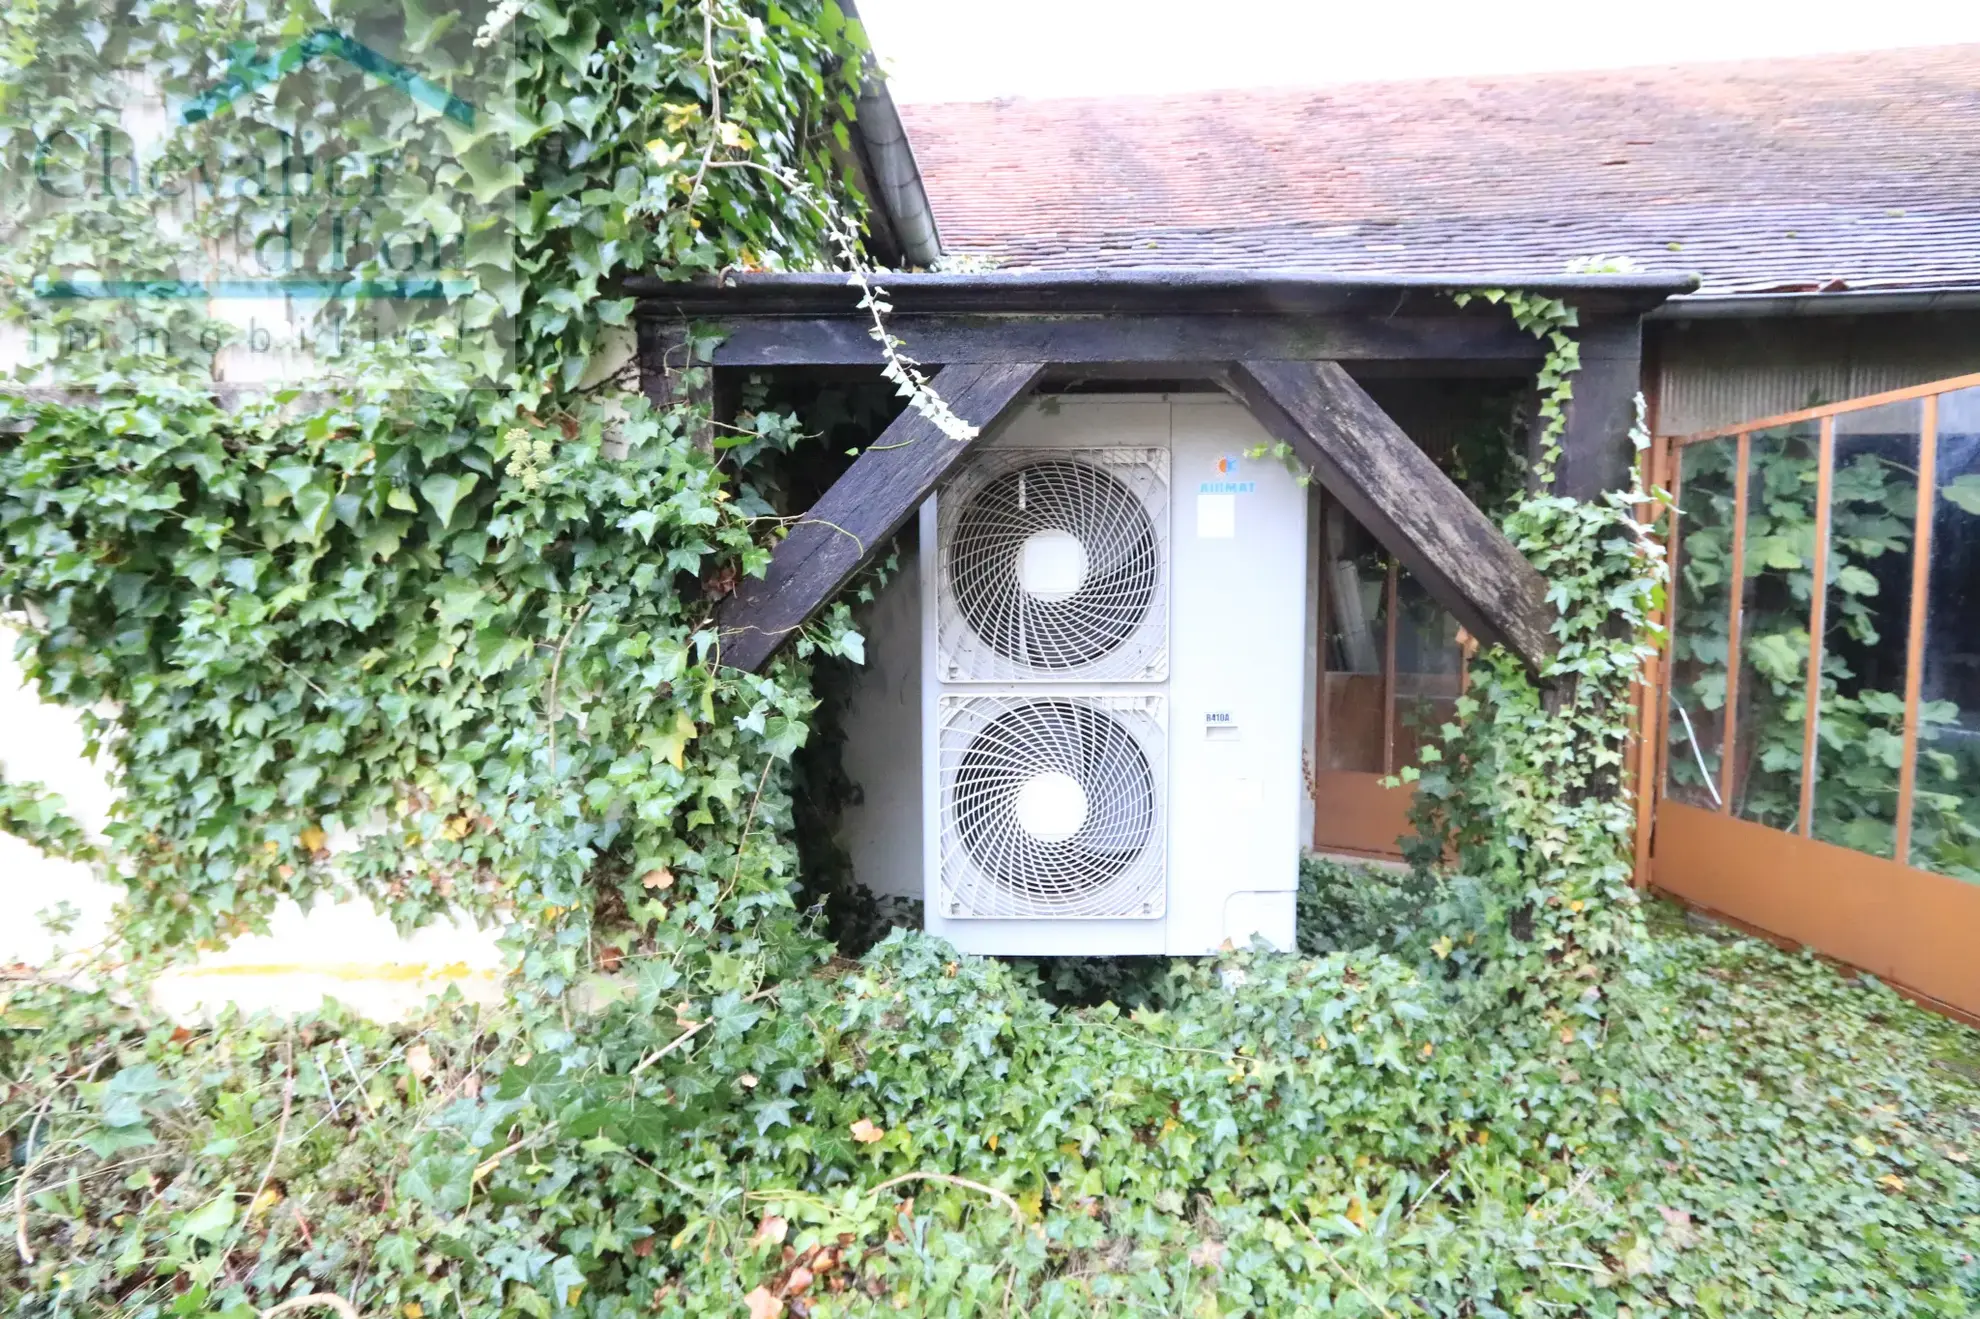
[(346, 951), (44, 743)]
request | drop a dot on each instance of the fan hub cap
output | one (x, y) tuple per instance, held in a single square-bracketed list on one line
[(1051, 565), (1051, 807)]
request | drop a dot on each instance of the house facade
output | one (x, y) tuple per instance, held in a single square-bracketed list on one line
[(1829, 209), (1756, 248)]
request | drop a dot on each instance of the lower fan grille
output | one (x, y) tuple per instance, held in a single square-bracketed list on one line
[(1052, 806)]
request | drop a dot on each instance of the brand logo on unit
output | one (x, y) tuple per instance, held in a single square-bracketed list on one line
[(1227, 468)]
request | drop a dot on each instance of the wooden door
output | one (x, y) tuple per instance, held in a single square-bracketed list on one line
[(1389, 669)]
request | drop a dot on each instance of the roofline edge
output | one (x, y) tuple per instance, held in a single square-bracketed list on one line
[(1855, 302), (1121, 291), (896, 175)]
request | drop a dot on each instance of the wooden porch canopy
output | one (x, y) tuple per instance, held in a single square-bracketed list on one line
[(1274, 341)]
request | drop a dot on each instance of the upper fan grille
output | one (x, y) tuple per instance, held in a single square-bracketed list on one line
[(1052, 807), (1052, 566)]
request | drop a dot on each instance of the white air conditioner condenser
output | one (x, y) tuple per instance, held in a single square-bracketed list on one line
[(1113, 644)]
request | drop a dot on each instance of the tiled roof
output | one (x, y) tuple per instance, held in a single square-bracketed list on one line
[(1852, 171)]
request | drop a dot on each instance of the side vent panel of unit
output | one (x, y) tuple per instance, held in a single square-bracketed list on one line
[(1053, 806), (1054, 567)]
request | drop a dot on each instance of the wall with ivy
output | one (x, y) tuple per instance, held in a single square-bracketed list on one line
[(52, 907), (440, 641)]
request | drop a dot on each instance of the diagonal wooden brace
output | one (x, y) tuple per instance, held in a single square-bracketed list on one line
[(1395, 490), (866, 505)]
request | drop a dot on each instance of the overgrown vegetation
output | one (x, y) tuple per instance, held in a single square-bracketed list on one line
[(447, 649), (922, 1133)]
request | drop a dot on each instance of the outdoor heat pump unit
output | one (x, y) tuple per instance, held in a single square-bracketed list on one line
[(1113, 652)]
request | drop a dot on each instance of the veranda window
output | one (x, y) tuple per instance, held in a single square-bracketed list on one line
[(1390, 666), (1848, 714)]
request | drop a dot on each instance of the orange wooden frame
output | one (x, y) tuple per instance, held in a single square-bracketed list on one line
[(1818, 618), (1914, 657), (1908, 925), (1911, 927), (1930, 389)]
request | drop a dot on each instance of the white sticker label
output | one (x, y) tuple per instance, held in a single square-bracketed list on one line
[(1216, 516)]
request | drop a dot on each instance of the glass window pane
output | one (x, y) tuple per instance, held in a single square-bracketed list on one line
[(1428, 665), (1775, 602), (1945, 818), (1866, 627), (1703, 603), (1355, 636)]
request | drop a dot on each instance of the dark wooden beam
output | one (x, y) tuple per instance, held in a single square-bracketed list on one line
[(1595, 449), (669, 373), (866, 505), (1139, 290), (1392, 488), (1141, 337)]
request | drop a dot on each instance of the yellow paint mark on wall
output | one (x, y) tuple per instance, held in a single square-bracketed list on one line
[(396, 972)]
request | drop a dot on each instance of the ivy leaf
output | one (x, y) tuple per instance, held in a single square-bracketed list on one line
[(445, 493), (292, 474), (211, 1220), (775, 1113), (397, 1252), (641, 524), (313, 509), (541, 1080), (566, 1279), (671, 745), (439, 1181)]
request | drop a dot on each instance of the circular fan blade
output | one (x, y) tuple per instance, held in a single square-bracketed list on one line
[(1053, 800), (1054, 564)]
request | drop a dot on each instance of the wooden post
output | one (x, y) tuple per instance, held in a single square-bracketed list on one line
[(1392, 488), (668, 374), (866, 505), (1595, 449)]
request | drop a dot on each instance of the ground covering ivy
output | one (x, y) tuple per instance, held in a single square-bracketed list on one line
[(923, 1133), (449, 648)]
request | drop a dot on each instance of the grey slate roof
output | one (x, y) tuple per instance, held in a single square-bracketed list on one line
[(1855, 172)]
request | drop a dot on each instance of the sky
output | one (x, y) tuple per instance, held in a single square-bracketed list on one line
[(952, 50)]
